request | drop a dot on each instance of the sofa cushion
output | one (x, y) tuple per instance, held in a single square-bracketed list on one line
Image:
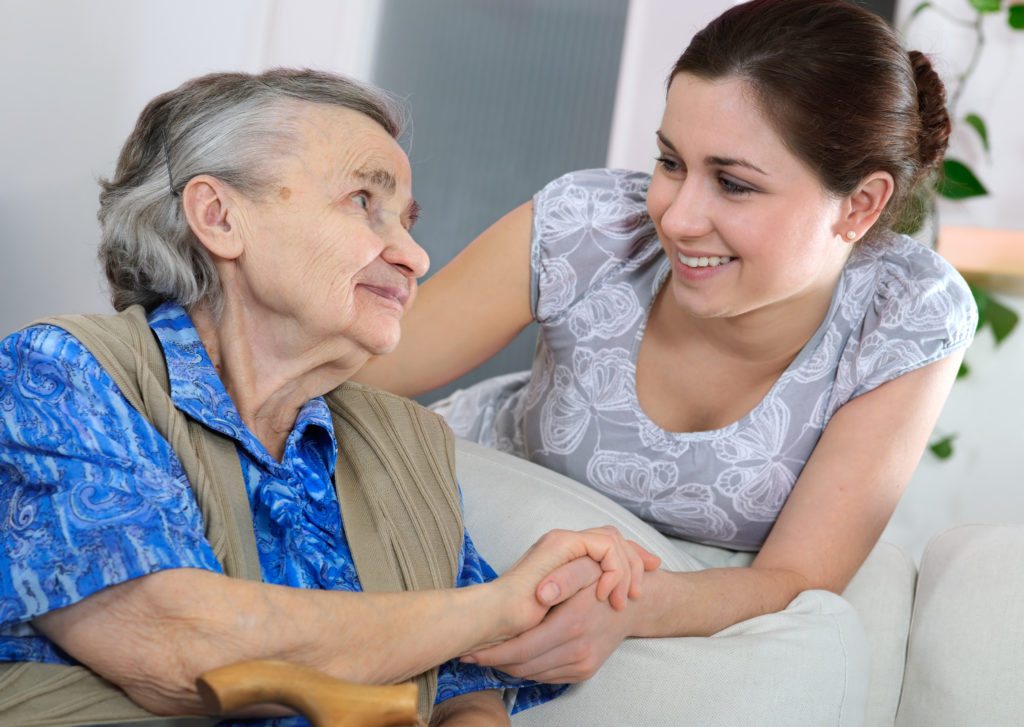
[(510, 502), (882, 592), (965, 663)]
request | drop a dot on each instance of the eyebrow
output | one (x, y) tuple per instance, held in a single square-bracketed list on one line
[(384, 180), (377, 177), (715, 161), (413, 212)]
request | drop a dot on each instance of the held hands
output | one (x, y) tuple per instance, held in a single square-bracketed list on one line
[(568, 646), (563, 563), (622, 564)]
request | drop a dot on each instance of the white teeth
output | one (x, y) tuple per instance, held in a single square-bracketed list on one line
[(703, 262)]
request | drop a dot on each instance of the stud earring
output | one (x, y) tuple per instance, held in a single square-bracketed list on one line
[(851, 235)]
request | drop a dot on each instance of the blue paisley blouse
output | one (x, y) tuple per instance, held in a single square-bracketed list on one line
[(92, 496)]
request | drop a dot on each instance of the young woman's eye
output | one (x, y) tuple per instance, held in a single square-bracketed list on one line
[(731, 187), (668, 164)]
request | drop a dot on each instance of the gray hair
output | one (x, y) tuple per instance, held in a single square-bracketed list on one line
[(231, 126)]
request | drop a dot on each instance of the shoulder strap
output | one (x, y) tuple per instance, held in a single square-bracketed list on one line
[(34, 694), (125, 346), (395, 479)]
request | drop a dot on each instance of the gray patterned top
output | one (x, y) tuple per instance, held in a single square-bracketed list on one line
[(596, 268)]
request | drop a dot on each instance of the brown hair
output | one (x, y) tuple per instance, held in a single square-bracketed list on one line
[(834, 81)]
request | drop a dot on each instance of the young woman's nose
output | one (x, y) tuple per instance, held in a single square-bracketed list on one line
[(687, 215)]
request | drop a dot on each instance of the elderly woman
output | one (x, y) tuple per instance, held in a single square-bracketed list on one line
[(189, 484)]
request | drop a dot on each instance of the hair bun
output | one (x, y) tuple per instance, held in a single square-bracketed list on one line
[(931, 107)]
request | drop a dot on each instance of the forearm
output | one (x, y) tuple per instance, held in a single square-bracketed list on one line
[(155, 635), (475, 709), (702, 603)]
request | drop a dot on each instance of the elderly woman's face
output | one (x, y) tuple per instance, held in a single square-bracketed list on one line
[(330, 247)]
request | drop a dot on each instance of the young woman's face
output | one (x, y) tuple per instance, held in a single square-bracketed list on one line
[(745, 223)]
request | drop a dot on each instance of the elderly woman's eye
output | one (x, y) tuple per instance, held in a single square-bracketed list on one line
[(362, 199)]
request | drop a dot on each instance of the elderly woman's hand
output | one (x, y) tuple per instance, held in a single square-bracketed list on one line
[(562, 563)]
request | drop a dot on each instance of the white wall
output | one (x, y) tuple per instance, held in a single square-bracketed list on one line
[(75, 76), (981, 482), (657, 32)]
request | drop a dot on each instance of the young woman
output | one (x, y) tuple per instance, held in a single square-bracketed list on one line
[(737, 348)]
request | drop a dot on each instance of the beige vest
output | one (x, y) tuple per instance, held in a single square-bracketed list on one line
[(395, 480)]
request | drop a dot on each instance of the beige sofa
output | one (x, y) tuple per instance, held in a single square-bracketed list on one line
[(946, 643)]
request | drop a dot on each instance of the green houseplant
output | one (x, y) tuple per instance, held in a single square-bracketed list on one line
[(956, 180)]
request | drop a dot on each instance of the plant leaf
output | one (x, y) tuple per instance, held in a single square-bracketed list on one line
[(964, 371), (978, 124), (1001, 320), (917, 10), (1016, 17), (986, 6), (943, 448), (959, 182), (981, 300)]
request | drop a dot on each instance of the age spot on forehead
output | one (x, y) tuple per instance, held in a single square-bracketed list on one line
[(284, 193)]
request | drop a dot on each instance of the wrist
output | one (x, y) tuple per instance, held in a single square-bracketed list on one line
[(645, 612), (505, 610)]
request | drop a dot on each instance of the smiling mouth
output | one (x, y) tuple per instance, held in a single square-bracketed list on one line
[(704, 262)]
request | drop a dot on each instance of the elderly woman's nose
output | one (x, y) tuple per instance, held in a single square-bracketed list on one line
[(404, 252)]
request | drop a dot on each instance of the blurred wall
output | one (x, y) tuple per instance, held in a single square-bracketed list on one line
[(75, 76), (505, 97)]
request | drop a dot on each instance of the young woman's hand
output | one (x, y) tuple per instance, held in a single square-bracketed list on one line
[(568, 646)]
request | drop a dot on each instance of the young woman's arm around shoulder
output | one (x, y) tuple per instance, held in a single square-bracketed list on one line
[(831, 521), (463, 315)]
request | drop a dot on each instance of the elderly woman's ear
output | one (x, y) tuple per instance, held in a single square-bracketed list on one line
[(213, 213)]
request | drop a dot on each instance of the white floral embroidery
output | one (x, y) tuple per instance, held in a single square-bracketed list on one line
[(604, 375), (564, 416), (615, 312), (629, 477), (691, 508), (557, 288)]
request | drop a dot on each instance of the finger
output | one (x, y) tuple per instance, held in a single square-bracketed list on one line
[(650, 560), (520, 650), (604, 545), (633, 573), (604, 550), (567, 580), (617, 589), (569, 674), (636, 574), (556, 666)]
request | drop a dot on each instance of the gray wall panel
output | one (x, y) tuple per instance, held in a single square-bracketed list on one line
[(505, 95)]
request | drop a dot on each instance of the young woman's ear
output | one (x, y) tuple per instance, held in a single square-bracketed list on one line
[(864, 205), (210, 208)]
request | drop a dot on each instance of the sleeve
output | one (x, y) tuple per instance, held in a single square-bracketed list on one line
[(90, 494), (921, 312), (585, 225), (455, 678)]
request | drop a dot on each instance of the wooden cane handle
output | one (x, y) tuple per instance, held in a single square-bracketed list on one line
[(323, 700)]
